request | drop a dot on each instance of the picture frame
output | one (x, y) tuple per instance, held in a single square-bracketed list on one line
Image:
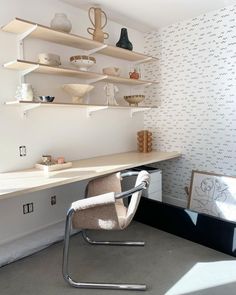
[(213, 194)]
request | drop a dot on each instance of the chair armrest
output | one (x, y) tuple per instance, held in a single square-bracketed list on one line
[(144, 175), (92, 202)]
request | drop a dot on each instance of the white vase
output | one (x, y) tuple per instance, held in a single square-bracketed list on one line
[(25, 92), (60, 22)]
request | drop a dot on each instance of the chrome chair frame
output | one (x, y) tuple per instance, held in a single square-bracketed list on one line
[(92, 285)]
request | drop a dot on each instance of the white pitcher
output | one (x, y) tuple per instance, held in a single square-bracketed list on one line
[(25, 92)]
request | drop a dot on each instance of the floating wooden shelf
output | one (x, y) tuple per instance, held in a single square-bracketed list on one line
[(31, 29), (27, 67), (29, 105)]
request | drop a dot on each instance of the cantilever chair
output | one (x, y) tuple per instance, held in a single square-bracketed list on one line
[(103, 209)]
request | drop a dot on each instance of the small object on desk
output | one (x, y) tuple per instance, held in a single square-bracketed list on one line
[(47, 159), (144, 138), (60, 160), (52, 166)]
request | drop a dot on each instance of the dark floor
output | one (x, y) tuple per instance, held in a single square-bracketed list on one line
[(167, 264)]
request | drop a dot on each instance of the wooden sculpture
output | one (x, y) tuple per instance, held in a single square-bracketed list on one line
[(96, 32), (144, 138)]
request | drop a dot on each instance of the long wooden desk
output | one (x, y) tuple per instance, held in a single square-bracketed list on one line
[(31, 180)]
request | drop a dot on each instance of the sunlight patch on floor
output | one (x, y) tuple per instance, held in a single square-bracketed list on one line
[(205, 275)]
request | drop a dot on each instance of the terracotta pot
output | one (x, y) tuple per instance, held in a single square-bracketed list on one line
[(134, 75)]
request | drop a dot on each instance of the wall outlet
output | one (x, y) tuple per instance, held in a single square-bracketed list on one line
[(28, 208), (22, 150), (53, 200)]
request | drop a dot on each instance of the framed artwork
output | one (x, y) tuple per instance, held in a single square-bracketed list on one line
[(213, 194)]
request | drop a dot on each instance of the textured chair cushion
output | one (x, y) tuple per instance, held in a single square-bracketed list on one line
[(97, 212), (100, 210)]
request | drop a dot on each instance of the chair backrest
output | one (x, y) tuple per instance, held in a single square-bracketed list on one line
[(104, 184), (135, 198)]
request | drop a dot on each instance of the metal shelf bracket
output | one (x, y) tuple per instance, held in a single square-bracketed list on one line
[(20, 41), (24, 110), (92, 110), (92, 51), (91, 81), (137, 110)]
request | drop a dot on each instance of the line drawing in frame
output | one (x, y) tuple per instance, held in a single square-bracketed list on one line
[(213, 194)]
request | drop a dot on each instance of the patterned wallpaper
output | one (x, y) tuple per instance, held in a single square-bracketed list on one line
[(196, 96)]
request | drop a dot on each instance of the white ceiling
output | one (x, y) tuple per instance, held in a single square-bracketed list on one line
[(146, 15)]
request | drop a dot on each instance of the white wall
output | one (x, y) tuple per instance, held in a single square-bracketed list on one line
[(73, 134), (197, 97), (60, 131)]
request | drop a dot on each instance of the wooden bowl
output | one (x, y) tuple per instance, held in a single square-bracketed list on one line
[(134, 99)]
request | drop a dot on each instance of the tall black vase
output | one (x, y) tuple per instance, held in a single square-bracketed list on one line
[(124, 40)]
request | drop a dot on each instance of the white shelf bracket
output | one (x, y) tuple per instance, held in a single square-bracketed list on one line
[(25, 109), (142, 61), (92, 51), (136, 110), (20, 41), (92, 110), (26, 72), (91, 81)]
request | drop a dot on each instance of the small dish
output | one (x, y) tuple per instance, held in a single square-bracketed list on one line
[(46, 98), (113, 71), (134, 99), (83, 62), (49, 59)]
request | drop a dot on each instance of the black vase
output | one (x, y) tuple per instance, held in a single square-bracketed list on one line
[(124, 40)]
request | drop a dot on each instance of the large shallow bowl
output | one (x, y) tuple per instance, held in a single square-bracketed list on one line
[(77, 91), (113, 71), (134, 99), (83, 62)]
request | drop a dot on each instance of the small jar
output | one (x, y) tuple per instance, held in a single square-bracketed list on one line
[(60, 160), (60, 22)]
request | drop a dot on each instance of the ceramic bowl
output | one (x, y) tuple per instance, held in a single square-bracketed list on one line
[(77, 91), (46, 98), (49, 59), (83, 62), (134, 99), (113, 71)]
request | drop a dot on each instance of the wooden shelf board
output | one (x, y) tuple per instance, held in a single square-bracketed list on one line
[(20, 26), (23, 65), (61, 104)]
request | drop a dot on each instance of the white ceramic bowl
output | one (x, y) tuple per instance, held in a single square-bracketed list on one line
[(83, 62), (113, 71), (49, 59), (77, 91), (134, 99)]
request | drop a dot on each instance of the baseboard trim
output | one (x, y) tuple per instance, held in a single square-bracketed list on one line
[(200, 228)]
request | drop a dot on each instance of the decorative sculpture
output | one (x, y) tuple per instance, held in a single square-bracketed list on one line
[(96, 32), (144, 138), (110, 90)]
